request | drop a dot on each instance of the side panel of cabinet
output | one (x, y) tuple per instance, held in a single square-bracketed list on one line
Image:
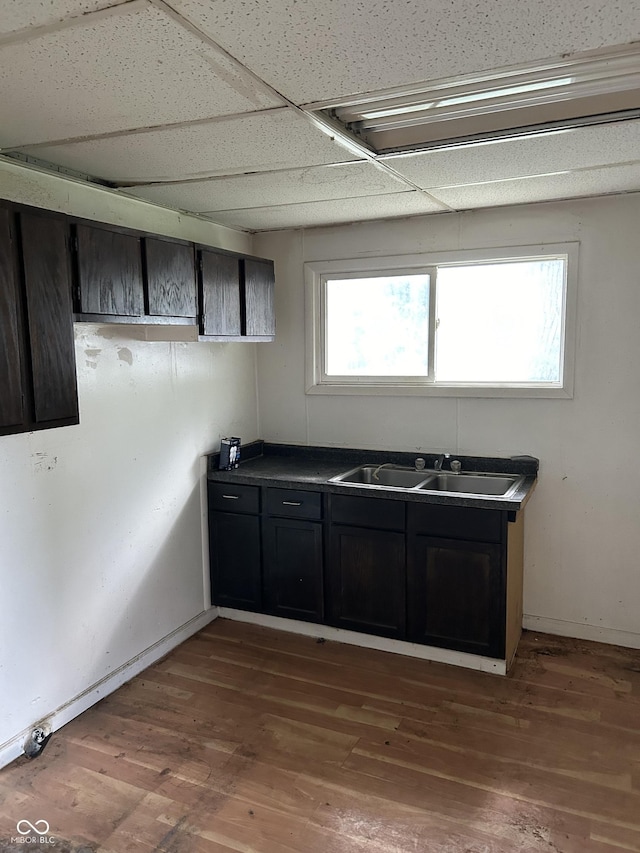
[(259, 281), (50, 317), (171, 281), (11, 397), (455, 595), (109, 272), (220, 294), (293, 568), (234, 542), (366, 580)]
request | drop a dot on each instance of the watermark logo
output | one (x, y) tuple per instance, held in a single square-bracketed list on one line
[(33, 833)]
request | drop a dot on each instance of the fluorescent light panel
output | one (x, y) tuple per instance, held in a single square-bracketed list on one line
[(397, 120)]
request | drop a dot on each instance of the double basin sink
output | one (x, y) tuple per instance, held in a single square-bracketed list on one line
[(388, 476)]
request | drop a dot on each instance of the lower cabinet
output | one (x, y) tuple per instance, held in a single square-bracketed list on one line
[(235, 546), (365, 581), (455, 595), (293, 585), (431, 574)]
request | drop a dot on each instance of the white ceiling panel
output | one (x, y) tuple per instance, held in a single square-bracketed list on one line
[(265, 189), (589, 182), (328, 212), (587, 147), (125, 70), (311, 50), (273, 140), (18, 14)]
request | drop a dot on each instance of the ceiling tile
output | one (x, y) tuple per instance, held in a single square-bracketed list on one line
[(18, 14), (272, 140), (589, 182), (566, 150), (332, 212), (313, 51), (125, 70), (266, 189)]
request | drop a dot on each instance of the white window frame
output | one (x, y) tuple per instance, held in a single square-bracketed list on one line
[(317, 272)]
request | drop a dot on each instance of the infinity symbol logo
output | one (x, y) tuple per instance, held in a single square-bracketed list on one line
[(40, 827)]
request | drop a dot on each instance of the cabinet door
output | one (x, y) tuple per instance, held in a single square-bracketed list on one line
[(259, 281), (366, 581), (11, 395), (455, 595), (293, 568), (234, 547), (220, 294), (109, 272), (50, 317), (171, 279)]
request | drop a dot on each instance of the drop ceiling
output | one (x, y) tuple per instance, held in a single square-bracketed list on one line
[(210, 106)]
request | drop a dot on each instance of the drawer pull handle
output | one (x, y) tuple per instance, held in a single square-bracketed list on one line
[(291, 503), (232, 497)]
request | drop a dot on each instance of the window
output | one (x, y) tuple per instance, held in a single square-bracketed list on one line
[(464, 324)]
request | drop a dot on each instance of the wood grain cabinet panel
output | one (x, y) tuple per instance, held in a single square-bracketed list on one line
[(455, 595), (293, 568), (11, 380), (220, 294), (170, 278), (366, 580), (109, 272), (259, 285), (50, 319)]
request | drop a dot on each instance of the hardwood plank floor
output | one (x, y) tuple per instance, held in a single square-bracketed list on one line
[(256, 741)]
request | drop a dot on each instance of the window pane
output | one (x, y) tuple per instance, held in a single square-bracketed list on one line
[(377, 326), (500, 322)]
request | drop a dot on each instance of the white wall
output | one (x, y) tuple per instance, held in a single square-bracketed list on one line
[(100, 524), (582, 523)]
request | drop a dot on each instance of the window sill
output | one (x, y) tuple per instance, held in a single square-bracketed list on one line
[(497, 391)]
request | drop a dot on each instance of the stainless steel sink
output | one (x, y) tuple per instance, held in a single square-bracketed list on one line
[(389, 476), (395, 476), (472, 484)]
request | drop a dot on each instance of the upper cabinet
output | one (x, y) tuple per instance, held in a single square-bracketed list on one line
[(109, 272), (37, 358), (170, 278), (128, 277), (259, 281), (237, 297)]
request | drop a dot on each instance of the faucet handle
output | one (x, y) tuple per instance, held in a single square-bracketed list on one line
[(419, 464), (456, 465)]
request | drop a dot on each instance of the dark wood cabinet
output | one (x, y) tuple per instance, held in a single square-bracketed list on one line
[(293, 554), (259, 283), (455, 595), (109, 272), (236, 297), (170, 277), (220, 294), (438, 575), (11, 355), (293, 568), (235, 546), (37, 356), (366, 580)]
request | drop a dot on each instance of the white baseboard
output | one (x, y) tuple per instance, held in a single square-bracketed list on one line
[(13, 748), (368, 641), (562, 628)]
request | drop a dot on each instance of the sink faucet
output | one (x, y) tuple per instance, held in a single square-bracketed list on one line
[(439, 460)]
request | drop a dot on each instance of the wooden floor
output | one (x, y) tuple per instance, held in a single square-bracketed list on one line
[(252, 740)]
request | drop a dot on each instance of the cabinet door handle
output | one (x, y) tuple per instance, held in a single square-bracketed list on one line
[(232, 497), (291, 503)]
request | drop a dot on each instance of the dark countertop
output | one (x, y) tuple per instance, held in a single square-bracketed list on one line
[(311, 468)]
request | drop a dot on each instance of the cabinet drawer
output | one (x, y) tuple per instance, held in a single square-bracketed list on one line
[(234, 498), (368, 512), (293, 503), (453, 522)]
